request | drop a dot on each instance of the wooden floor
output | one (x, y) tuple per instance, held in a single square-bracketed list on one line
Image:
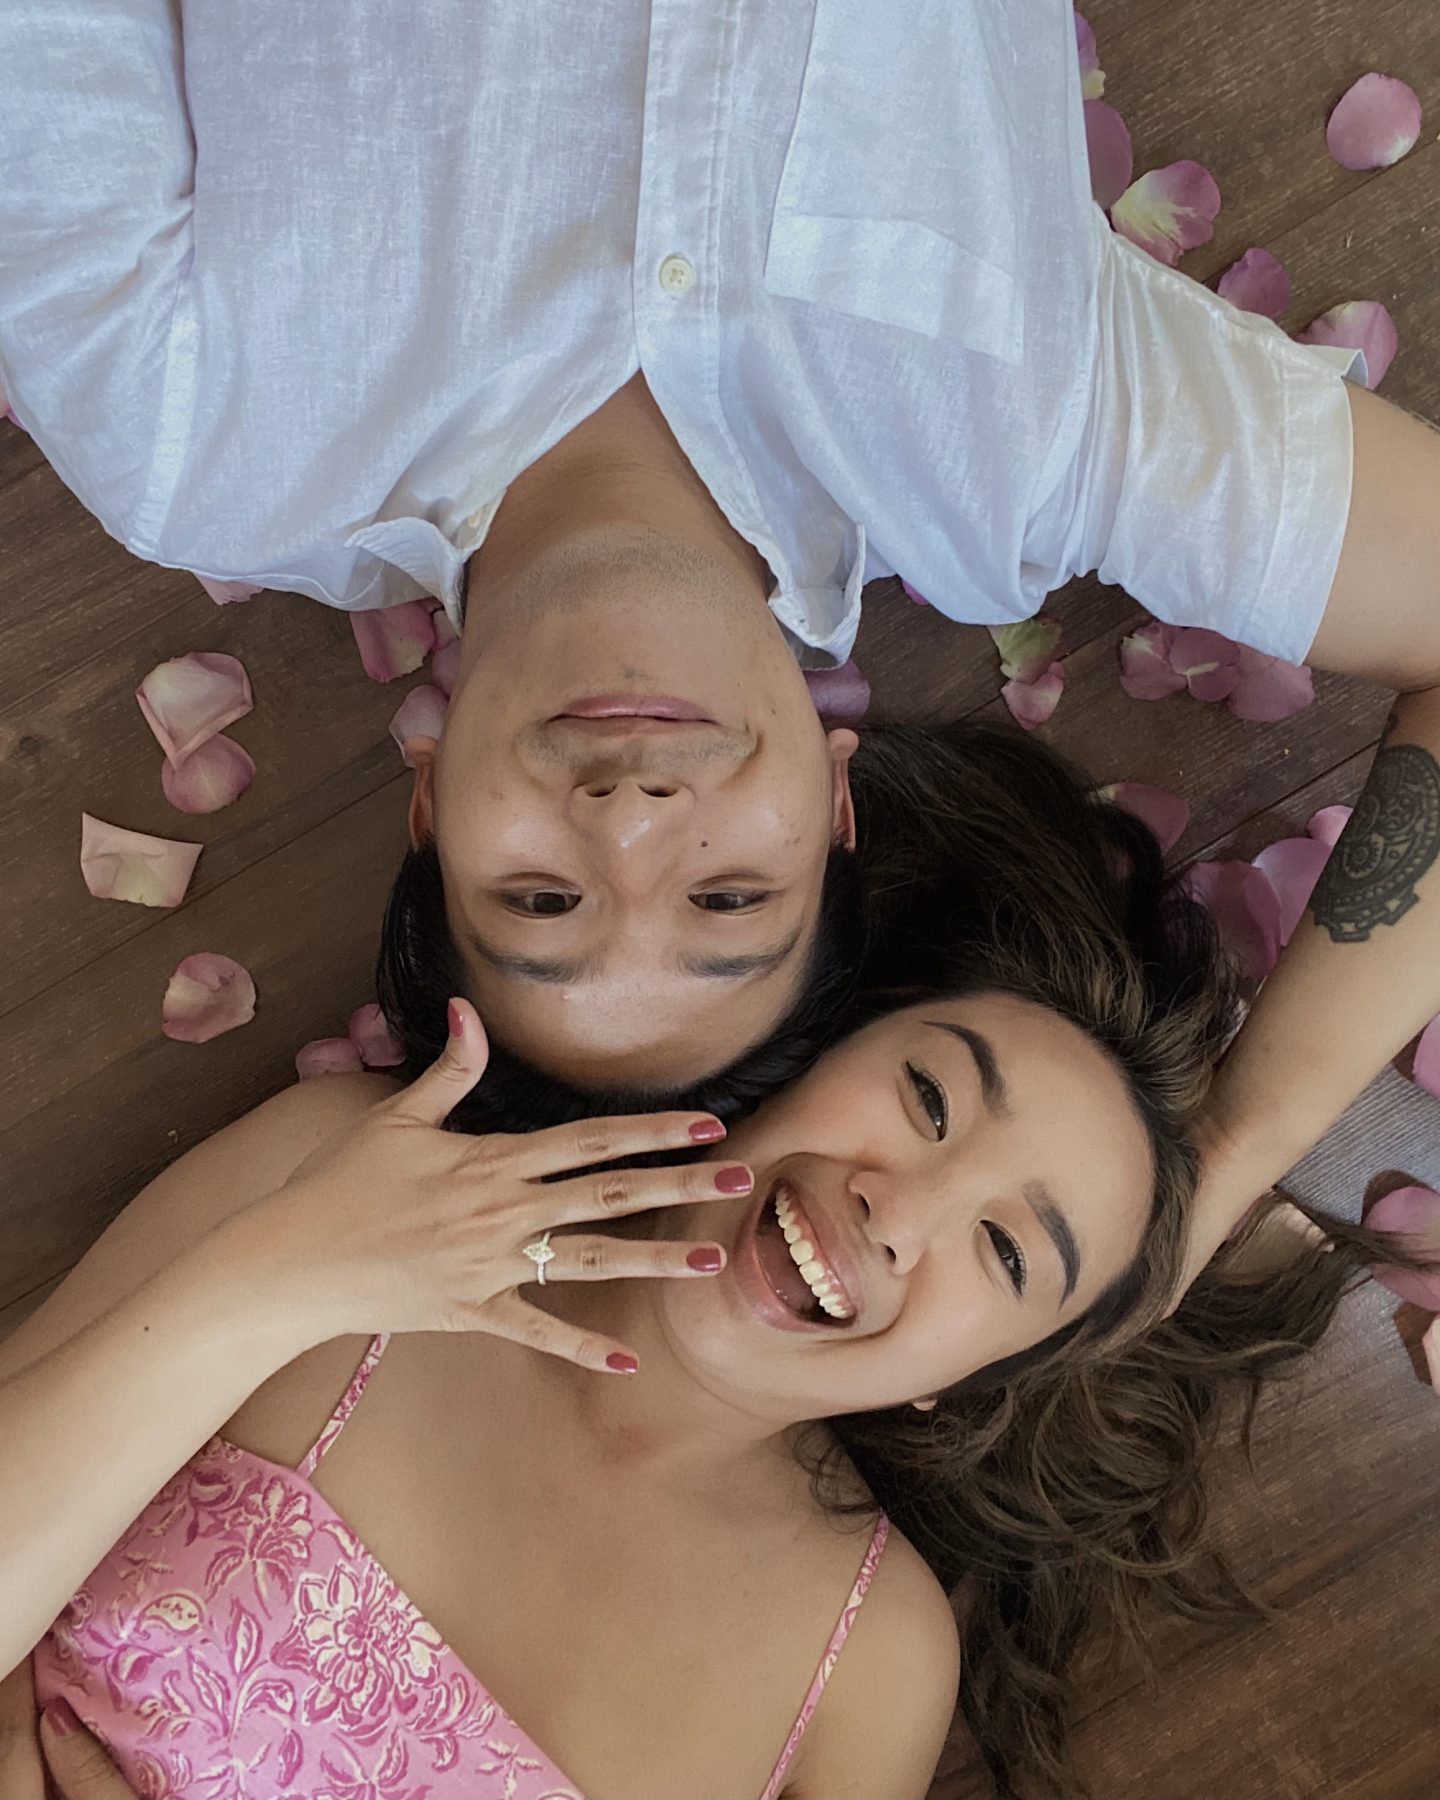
[(1339, 1522)]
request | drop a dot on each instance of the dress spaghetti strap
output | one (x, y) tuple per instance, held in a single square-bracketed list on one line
[(335, 1424)]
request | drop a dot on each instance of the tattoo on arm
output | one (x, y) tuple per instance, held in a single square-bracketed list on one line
[(1389, 844)]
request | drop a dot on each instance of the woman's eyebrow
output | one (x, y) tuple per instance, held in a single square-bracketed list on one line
[(1057, 1227), (993, 1090)]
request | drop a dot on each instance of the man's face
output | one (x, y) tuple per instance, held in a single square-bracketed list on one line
[(633, 804)]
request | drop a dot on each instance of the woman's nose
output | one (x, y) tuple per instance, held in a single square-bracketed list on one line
[(895, 1228)]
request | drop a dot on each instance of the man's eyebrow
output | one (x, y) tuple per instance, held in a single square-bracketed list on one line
[(564, 971), (993, 1090), (736, 968), (1042, 1204)]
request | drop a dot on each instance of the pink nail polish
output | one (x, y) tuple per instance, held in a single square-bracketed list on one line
[(733, 1180), (706, 1131), (62, 1718), (621, 1363), (706, 1259), (457, 1023)]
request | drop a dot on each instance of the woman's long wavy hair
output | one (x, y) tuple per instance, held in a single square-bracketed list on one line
[(1060, 1493)]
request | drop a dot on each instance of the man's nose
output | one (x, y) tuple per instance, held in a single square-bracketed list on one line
[(631, 813)]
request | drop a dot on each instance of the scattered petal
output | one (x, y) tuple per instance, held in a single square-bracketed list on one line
[(1258, 283), (371, 1035), (1359, 325), (207, 994), (914, 594), (1169, 211), (1413, 1213), (1430, 1343), (229, 593), (328, 1056), (1375, 124), (1292, 866), (1210, 663), (1328, 823), (1269, 689), (1426, 1072), (393, 640), (1092, 76), (445, 667), (1166, 814), (1246, 910), (1027, 649), (1032, 702), (128, 865), (1112, 155), (841, 693), (421, 714), (187, 700), (445, 632), (211, 777), (1145, 671)]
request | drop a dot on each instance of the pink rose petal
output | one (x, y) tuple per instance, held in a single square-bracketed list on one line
[(328, 1056), (1292, 866), (1165, 813), (213, 776), (128, 865), (207, 994), (371, 1035), (445, 632), (1328, 823), (1430, 1344), (1359, 325), (1268, 689), (1112, 155), (1169, 211), (1210, 663), (841, 693), (187, 700), (1031, 703), (1258, 283), (914, 595), (1092, 76), (1027, 649), (1426, 1070), (393, 640), (445, 667), (421, 714), (1145, 671), (1375, 124), (1246, 910), (1412, 1213), (229, 593)]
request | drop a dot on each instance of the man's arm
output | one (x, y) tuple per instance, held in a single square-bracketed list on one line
[(1361, 976)]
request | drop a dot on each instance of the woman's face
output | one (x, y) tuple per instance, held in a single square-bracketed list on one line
[(946, 1188)]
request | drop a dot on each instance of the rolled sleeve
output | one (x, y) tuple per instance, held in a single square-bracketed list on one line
[(1210, 464), (96, 176)]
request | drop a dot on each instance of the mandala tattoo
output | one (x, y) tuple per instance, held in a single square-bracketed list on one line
[(1392, 839)]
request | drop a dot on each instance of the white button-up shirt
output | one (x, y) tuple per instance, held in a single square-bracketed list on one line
[(291, 292)]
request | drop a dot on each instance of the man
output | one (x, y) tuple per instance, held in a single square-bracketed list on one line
[(636, 318)]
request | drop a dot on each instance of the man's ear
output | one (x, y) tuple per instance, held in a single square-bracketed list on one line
[(842, 744), (421, 752)]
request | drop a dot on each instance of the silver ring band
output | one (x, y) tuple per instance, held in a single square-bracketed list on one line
[(540, 1253)]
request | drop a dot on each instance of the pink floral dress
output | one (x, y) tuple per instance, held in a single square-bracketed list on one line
[(240, 1643)]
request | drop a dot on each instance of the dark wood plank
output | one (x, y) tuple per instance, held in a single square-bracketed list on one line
[(18, 453)]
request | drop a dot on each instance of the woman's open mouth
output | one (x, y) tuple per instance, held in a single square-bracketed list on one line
[(794, 1264)]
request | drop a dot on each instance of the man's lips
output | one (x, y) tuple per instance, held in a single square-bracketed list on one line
[(636, 706)]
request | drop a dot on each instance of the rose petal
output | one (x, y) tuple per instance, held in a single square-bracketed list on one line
[(1269, 689), (1412, 1213), (207, 994), (1328, 823), (1359, 325), (1426, 1070), (445, 667), (1027, 649), (128, 865), (211, 777), (371, 1035), (914, 594), (1145, 671), (1032, 702), (229, 593), (393, 640), (841, 693), (445, 632), (1375, 124), (1246, 910), (1292, 866), (1092, 76), (1169, 211), (1258, 283), (1112, 155), (1166, 814), (190, 698), (1430, 1344), (421, 714), (1210, 663), (328, 1056)]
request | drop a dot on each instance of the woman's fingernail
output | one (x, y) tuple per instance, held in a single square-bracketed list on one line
[(457, 1023), (733, 1180), (62, 1718), (706, 1131), (707, 1259), (621, 1363)]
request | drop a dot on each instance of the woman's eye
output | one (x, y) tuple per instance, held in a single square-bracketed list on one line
[(931, 1096), (1010, 1254), (725, 901), (543, 903)]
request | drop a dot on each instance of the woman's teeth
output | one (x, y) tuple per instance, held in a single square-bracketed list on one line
[(802, 1254)]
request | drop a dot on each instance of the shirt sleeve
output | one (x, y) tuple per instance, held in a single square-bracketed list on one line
[(1207, 468), (96, 166)]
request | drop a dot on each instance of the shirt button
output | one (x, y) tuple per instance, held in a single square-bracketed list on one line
[(676, 275)]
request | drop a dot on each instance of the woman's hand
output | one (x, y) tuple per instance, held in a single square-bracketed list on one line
[(33, 1747), (397, 1225)]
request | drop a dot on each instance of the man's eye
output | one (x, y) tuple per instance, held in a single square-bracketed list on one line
[(1012, 1257), (544, 903), (725, 901), (931, 1096)]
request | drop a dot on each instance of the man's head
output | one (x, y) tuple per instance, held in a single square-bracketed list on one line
[(632, 807)]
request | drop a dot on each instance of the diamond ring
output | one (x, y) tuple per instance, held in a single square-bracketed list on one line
[(540, 1253)]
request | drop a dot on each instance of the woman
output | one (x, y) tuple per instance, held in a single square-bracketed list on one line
[(931, 1246)]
